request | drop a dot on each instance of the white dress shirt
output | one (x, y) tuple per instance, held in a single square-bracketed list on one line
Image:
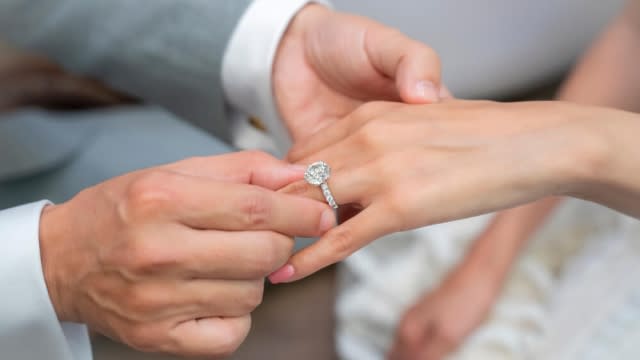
[(27, 310), (246, 72)]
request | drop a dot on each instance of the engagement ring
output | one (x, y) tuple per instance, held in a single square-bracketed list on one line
[(318, 174)]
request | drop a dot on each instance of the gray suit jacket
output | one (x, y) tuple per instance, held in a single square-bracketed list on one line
[(166, 52)]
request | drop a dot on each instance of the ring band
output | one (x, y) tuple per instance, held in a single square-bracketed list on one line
[(318, 174), (328, 196)]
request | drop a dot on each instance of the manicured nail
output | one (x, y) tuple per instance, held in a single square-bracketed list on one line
[(327, 221), (283, 274), (427, 91)]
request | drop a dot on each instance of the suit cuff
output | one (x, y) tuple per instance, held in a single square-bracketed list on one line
[(29, 326), (248, 62)]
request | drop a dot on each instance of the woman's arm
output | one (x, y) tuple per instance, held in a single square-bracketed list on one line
[(443, 318), (464, 158), (607, 75)]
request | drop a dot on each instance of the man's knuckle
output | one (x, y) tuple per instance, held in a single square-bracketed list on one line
[(150, 194), (227, 343), (284, 246), (255, 209), (279, 248), (253, 296), (264, 263), (272, 251)]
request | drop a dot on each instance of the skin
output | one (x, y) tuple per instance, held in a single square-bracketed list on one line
[(440, 321), (153, 260), (330, 63), (172, 259), (463, 158)]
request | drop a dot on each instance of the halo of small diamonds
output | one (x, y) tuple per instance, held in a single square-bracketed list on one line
[(317, 173)]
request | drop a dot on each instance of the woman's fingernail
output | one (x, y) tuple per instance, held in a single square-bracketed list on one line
[(327, 221), (283, 274), (427, 91)]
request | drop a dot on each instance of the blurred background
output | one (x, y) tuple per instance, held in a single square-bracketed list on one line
[(498, 49)]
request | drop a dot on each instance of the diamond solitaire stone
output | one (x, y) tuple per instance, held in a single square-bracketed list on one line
[(317, 173)]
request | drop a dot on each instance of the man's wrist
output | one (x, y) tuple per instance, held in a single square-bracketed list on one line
[(52, 233)]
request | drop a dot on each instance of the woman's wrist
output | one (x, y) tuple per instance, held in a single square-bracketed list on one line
[(577, 152), (612, 167)]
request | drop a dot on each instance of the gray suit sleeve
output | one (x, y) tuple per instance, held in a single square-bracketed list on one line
[(167, 52)]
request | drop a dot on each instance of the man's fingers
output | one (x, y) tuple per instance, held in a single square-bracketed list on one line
[(335, 245), (418, 76), (210, 337), (246, 167), (159, 299), (259, 252), (195, 254), (221, 297), (204, 204), (415, 67)]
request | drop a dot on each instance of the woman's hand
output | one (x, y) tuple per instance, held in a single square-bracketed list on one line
[(438, 323), (443, 318), (408, 166)]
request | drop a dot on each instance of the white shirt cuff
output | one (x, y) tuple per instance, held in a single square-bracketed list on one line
[(29, 326), (248, 62)]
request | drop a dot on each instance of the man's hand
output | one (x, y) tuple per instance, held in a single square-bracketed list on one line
[(329, 63), (173, 259)]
